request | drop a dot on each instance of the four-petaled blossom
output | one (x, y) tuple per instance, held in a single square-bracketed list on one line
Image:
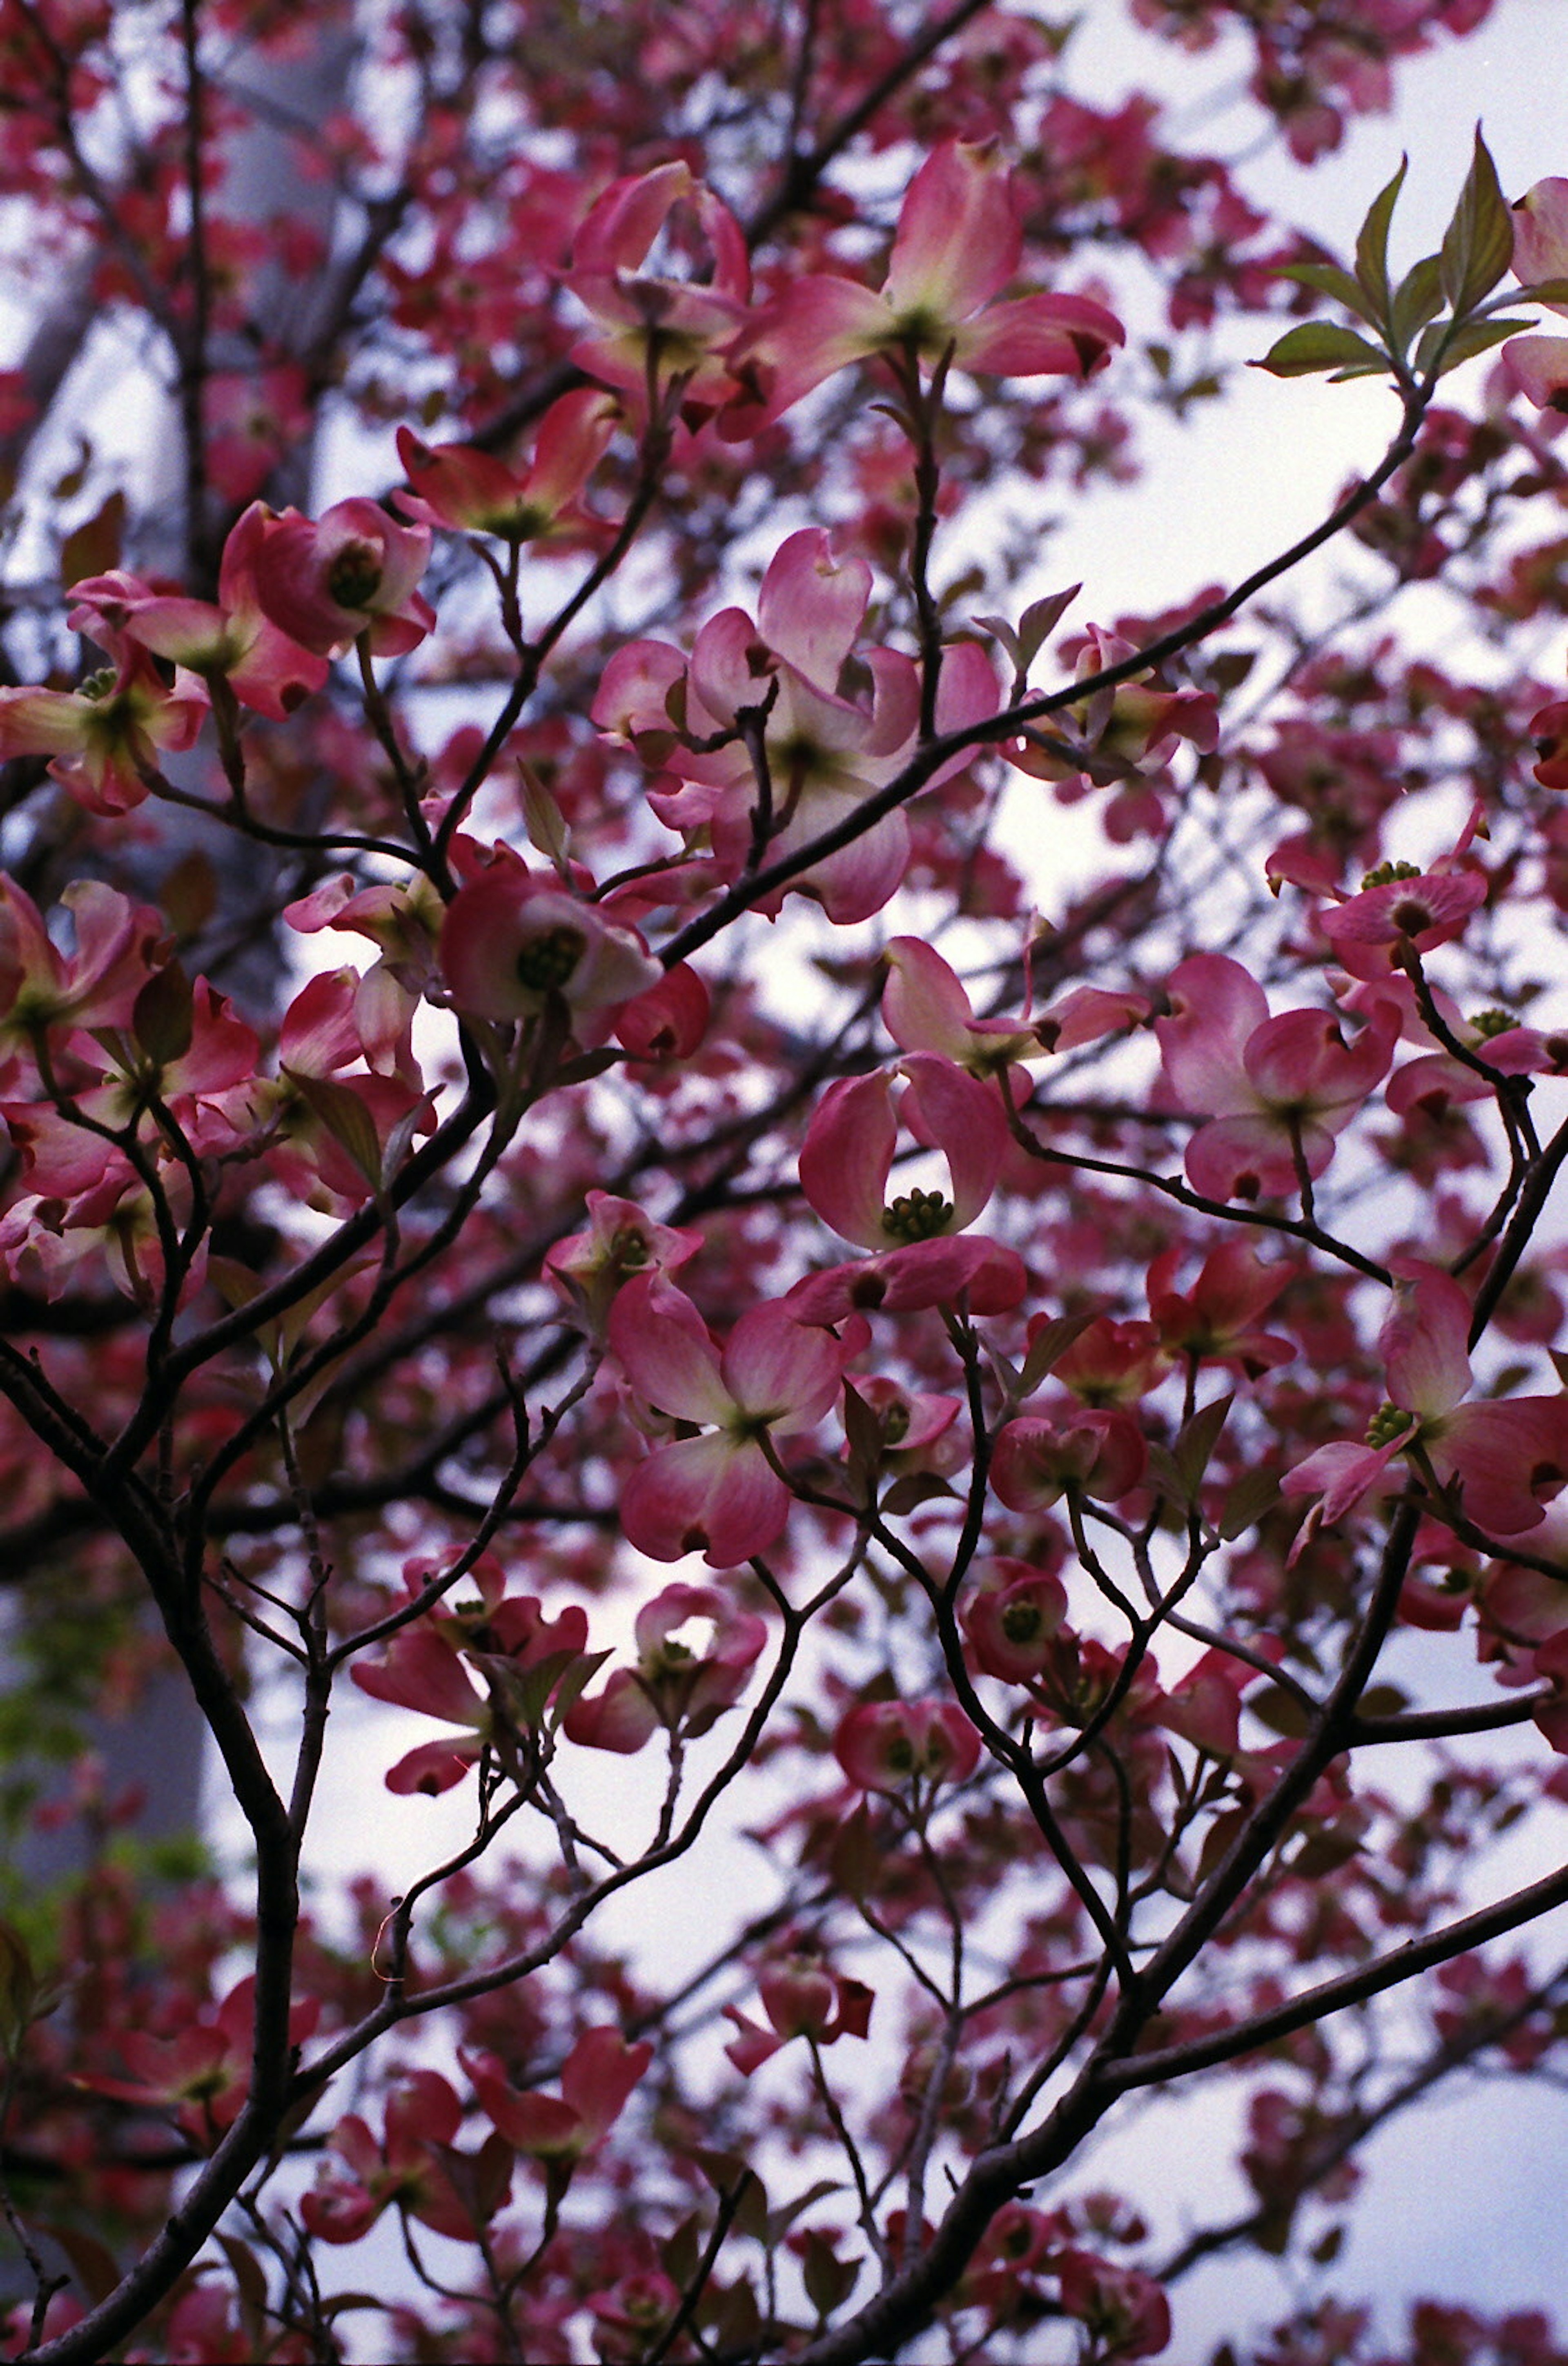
[(775, 683), (325, 581), (1012, 1617), (1538, 366), (231, 640), (511, 939), (718, 1492), (885, 1745), (459, 486), (1277, 1090), (957, 245), (802, 1997), (1501, 1458), (620, 1240), (502, 1641), (405, 2169), (653, 329), (925, 1008), (696, 1653), (1099, 1449), (596, 2078), (104, 738)]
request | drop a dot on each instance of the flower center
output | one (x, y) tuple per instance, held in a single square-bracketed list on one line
[(917, 1215), (354, 576), (1389, 1422), (547, 961)]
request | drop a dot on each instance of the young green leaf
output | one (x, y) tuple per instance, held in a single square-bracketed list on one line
[(1320, 345), (1417, 300), (1332, 279), (1372, 245), (1478, 245)]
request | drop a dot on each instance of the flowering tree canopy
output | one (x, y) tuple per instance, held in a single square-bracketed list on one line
[(749, 1189)]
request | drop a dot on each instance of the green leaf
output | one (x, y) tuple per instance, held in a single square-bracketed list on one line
[(1196, 1441), (1417, 300), (829, 2280), (161, 1015), (1447, 343), (340, 1112), (1372, 245), (1333, 280), (1320, 345), (1478, 245), (1542, 291), (1256, 1493), (1048, 1348)]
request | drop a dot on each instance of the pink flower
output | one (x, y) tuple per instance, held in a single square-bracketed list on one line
[(620, 1240), (1011, 1619), (653, 329), (233, 640), (96, 985), (105, 735), (510, 940), (1538, 366), (1125, 734), (1099, 1449), (957, 245), (1400, 906), (1501, 1457), (825, 752), (717, 1493), (883, 1745), (324, 581), (1212, 1322), (684, 1678), (802, 1997), (457, 485), (1277, 1090), (404, 2168), (501, 1641), (846, 1158), (596, 2078)]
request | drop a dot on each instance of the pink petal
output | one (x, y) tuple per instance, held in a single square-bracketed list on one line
[(1540, 232), (951, 1110), (958, 238), (776, 1369), (667, 1352), (1040, 336), (810, 605), (847, 1155), (1424, 1341), (1252, 1157), (716, 1494), (1215, 1006)]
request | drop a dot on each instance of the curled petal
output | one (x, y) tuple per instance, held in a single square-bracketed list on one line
[(848, 1157), (714, 1495)]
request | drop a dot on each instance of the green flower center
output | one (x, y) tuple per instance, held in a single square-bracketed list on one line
[(1383, 875), (354, 576), (916, 1216), (547, 961), (1389, 1422)]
